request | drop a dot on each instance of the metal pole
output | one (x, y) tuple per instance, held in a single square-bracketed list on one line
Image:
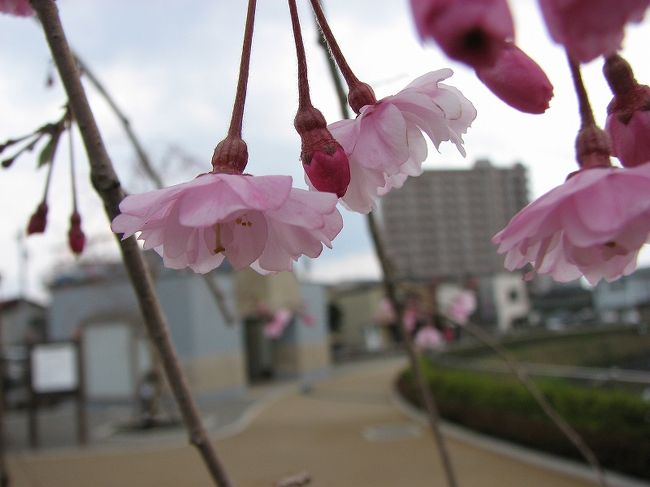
[(4, 472)]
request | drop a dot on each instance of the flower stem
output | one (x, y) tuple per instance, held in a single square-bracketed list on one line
[(586, 114), (346, 71), (108, 187), (240, 97), (304, 100), (522, 376), (73, 179)]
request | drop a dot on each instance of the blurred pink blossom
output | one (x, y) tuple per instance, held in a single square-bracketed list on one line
[(21, 8), (517, 80), (385, 144), (428, 338), (410, 319), (257, 221), (472, 31), (593, 225), (462, 306), (591, 28), (275, 327), (385, 314)]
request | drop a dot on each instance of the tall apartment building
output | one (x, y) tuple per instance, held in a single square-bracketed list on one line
[(440, 224)]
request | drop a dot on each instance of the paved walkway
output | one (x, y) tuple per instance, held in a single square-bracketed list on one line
[(344, 431)]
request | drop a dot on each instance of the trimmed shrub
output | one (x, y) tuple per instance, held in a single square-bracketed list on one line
[(615, 424)]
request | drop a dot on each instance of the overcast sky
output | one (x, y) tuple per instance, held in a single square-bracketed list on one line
[(173, 68)]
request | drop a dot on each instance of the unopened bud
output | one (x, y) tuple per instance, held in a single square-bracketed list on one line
[(38, 221), (323, 158), (76, 237), (518, 81)]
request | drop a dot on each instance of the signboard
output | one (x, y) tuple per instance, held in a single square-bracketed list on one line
[(54, 367)]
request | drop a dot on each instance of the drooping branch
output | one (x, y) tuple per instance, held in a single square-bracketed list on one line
[(108, 187), (149, 169)]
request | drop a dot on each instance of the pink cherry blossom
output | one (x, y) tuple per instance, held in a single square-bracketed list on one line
[(461, 306), (517, 80), (593, 225), (257, 221), (591, 28), (275, 327), (428, 338), (471, 31), (385, 145), (22, 8)]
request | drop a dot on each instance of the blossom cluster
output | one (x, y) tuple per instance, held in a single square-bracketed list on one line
[(593, 225)]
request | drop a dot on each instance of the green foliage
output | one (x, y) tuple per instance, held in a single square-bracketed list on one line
[(615, 423)]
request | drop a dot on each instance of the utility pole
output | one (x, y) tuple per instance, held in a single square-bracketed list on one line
[(4, 473)]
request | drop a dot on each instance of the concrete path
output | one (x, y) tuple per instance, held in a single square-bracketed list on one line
[(344, 431)]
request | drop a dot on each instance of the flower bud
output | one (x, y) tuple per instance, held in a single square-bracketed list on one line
[(518, 81), (628, 114), (323, 158), (38, 220), (328, 169), (76, 237)]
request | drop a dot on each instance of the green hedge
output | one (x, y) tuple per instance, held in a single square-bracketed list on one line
[(615, 424)]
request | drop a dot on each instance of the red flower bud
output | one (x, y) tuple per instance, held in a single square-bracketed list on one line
[(323, 158), (38, 220), (76, 237), (518, 81), (329, 170)]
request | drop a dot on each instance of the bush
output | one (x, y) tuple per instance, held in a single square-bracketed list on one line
[(615, 424)]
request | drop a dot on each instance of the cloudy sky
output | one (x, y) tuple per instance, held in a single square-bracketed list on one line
[(172, 68)]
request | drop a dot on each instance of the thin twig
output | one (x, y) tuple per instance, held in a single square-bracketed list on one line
[(150, 171), (108, 187), (390, 288), (143, 158), (522, 376)]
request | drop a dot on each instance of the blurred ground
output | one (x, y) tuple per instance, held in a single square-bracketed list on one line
[(345, 431)]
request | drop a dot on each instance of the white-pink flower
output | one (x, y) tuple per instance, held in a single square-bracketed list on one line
[(385, 145), (22, 8), (275, 327), (591, 28), (428, 338), (461, 306), (257, 221), (593, 225)]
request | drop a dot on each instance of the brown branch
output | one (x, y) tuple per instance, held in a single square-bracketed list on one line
[(390, 288), (522, 376), (109, 189)]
